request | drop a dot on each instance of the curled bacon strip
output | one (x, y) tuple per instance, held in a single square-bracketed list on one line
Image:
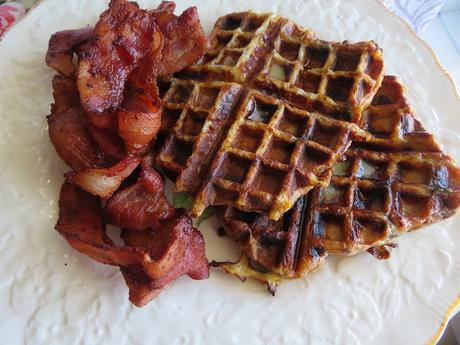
[(67, 130), (162, 255), (139, 119), (184, 43), (104, 182), (141, 205), (124, 34), (61, 48)]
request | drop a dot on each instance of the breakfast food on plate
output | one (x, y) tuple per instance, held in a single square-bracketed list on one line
[(104, 119), (397, 181), (259, 159), (303, 147)]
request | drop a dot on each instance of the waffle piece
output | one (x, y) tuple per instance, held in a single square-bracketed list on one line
[(378, 190), (271, 53), (278, 137), (265, 153)]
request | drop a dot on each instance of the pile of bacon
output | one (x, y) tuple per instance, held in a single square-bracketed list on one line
[(103, 123)]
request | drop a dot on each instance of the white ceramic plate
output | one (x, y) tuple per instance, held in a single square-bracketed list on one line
[(50, 294)]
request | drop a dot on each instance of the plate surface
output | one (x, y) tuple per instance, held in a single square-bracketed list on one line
[(50, 294)]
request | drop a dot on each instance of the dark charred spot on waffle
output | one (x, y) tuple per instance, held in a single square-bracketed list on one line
[(343, 168), (411, 205), (233, 168), (279, 150), (309, 82), (223, 39), (206, 97), (231, 22), (280, 70), (178, 151), (340, 114), (245, 217), (229, 58), (209, 56), (258, 266), (329, 226), (311, 158), (372, 199), (240, 41), (193, 122), (333, 195), (293, 123), (325, 135), (315, 57), (339, 88), (163, 87), (169, 118), (347, 60), (259, 111), (181, 93), (248, 139), (269, 180), (415, 173), (371, 170), (369, 230), (289, 50), (380, 124), (221, 231), (251, 24)]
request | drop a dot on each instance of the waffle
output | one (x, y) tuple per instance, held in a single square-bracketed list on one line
[(396, 182), (280, 133)]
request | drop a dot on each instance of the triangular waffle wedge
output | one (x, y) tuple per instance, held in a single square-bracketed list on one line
[(272, 138), (398, 181)]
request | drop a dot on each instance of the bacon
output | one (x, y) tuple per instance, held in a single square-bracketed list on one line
[(104, 182), (71, 140), (184, 43), (61, 47), (67, 129), (65, 94), (166, 253), (124, 35), (140, 206), (139, 119), (108, 141)]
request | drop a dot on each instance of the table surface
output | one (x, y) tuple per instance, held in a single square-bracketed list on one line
[(443, 35)]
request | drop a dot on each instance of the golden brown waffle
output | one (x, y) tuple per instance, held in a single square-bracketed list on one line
[(265, 153), (274, 146), (375, 194)]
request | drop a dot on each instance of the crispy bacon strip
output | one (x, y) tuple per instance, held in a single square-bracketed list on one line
[(124, 35), (104, 182), (176, 248), (184, 43), (61, 47), (140, 206), (139, 119), (108, 141), (67, 130)]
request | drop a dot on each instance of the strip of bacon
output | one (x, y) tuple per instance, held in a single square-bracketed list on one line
[(140, 206), (108, 141), (139, 118), (176, 248), (184, 43), (104, 182), (124, 35), (67, 129), (61, 47)]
